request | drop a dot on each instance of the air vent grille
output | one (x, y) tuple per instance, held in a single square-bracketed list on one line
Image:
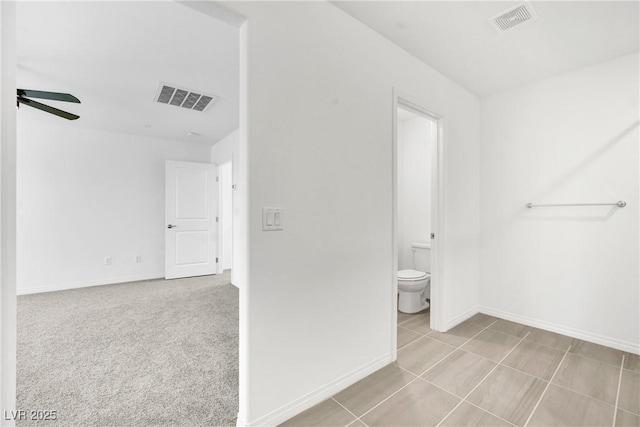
[(192, 100), (202, 103), (513, 17), (165, 94)]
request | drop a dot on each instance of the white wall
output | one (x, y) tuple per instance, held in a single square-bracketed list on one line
[(84, 195), (7, 210), (224, 151), (572, 138), (414, 187), (318, 310)]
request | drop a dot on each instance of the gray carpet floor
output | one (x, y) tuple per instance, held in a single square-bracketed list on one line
[(135, 354)]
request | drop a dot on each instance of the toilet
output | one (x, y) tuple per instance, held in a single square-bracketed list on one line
[(414, 285)]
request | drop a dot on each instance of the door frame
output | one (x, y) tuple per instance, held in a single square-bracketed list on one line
[(408, 102), (8, 140), (224, 186)]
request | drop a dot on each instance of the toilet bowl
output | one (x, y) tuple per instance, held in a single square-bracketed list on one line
[(413, 290)]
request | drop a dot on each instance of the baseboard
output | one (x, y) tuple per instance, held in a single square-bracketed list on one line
[(320, 394), (571, 332), (88, 283), (461, 318)]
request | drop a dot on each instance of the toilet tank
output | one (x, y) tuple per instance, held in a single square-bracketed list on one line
[(421, 256)]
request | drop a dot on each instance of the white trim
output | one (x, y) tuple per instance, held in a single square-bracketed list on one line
[(320, 394), (438, 302), (89, 283), (438, 226), (218, 223), (461, 318), (393, 344), (570, 332), (239, 421)]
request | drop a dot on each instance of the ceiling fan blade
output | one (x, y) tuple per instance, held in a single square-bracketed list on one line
[(48, 109), (56, 96)]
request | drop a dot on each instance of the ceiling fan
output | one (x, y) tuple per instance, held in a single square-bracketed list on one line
[(25, 94)]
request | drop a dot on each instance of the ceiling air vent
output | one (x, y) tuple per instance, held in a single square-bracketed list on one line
[(511, 18), (192, 100)]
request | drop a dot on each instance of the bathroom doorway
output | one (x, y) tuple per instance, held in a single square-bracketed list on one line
[(417, 217)]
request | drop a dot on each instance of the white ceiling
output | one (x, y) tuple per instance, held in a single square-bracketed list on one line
[(111, 55), (455, 37)]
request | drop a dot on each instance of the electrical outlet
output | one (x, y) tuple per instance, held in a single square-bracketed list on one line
[(138, 259), (107, 260)]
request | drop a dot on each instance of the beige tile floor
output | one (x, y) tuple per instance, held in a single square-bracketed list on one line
[(488, 372)]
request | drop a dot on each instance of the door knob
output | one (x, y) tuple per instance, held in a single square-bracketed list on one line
[(171, 226)]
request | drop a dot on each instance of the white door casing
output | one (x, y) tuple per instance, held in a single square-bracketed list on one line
[(437, 214), (190, 211), (225, 215)]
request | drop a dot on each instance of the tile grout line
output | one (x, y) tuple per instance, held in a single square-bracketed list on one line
[(615, 408), (591, 359), (483, 378), (414, 331), (565, 387), (436, 364), (394, 393), (466, 401), (518, 370), (627, 411), (407, 329), (547, 387), (559, 385), (407, 384), (418, 333), (456, 347), (399, 325), (346, 409), (405, 321), (582, 394), (546, 380), (412, 342), (526, 373), (547, 345), (488, 412)]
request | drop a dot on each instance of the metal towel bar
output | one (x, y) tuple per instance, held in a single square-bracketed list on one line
[(620, 204)]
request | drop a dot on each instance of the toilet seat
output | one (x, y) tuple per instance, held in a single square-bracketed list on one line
[(412, 275)]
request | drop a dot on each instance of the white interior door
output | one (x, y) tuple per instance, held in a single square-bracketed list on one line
[(191, 230)]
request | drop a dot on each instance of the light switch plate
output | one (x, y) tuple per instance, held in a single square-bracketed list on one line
[(272, 219)]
